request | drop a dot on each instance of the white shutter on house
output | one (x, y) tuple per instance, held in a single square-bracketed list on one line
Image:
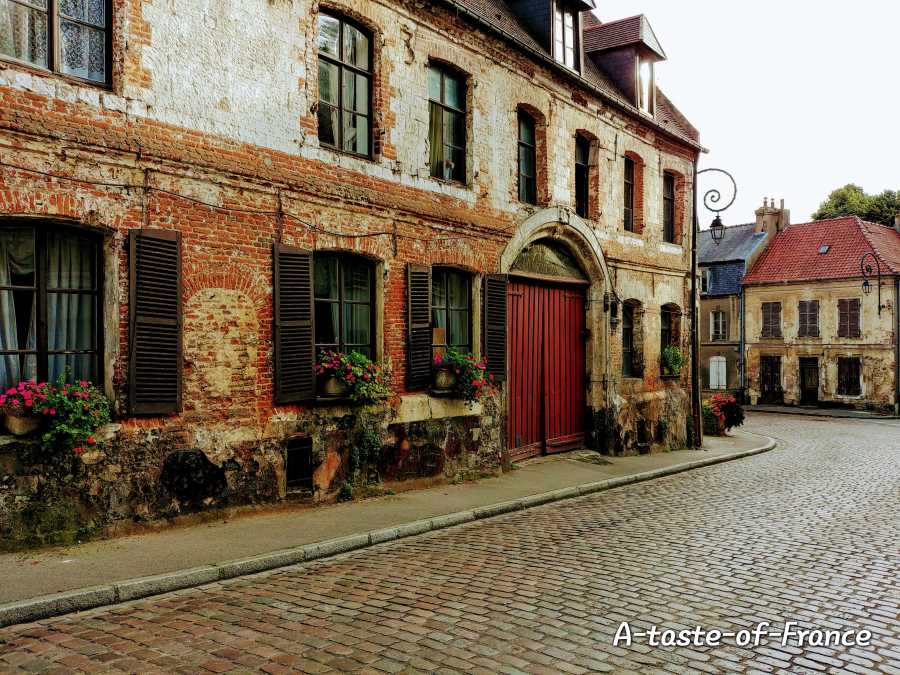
[(717, 373)]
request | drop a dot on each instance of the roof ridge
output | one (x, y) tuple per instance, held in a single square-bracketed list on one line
[(613, 22)]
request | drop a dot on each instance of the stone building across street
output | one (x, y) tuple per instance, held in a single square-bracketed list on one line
[(722, 269), (198, 199), (817, 332)]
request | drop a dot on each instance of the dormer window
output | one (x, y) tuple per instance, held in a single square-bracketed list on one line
[(645, 86), (565, 35)]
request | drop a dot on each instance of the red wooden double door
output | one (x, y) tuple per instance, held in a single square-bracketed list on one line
[(546, 368)]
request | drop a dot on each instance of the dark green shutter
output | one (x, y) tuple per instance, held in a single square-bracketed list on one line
[(295, 380), (418, 366), (155, 322), (495, 290)]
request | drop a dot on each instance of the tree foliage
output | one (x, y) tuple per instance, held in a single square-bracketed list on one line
[(852, 200)]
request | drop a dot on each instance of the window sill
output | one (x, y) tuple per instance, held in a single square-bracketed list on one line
[(670, 377), (347, 153), (12, 63)]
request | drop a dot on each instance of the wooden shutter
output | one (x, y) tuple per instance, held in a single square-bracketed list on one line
[(294, 334), (853, 318), (155, 322), (495, 291), (418, 287), (843, 319)]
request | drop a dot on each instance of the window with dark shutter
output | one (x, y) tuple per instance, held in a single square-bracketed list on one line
[(293, 337), (849, 377), (527, 159), (848, 318), (155, 345), (419, 353), (771, 319), (582, 175), (495, 289), (808, 311), (669, 207)]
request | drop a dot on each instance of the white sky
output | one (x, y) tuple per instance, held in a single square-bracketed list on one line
[(794, 97)]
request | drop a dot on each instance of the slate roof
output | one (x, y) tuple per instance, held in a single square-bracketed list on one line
[(739, 243), (497, 15), (793, 255), (725, 278), (599, 37)]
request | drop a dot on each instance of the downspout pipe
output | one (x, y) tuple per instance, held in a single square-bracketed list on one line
[(695, 330), (897, 344)]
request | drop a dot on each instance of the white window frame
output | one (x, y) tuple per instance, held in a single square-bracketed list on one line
[(718, 372)]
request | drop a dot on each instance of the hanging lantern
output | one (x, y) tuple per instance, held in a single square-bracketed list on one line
[(718, 230)]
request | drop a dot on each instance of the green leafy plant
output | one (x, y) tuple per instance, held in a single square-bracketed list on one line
[(722, 411), (672, 360), (23, 399), (473, 381), (366, 381)]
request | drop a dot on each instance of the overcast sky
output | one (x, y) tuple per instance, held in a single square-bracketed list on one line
[(794, 97)]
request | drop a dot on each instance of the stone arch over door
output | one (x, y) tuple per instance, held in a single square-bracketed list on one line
[(562, 225)]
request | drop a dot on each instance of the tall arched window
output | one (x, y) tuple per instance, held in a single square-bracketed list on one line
[(670, 319), (345, 86), (527, 159), (451, 315), (632, 339), (50, 301)]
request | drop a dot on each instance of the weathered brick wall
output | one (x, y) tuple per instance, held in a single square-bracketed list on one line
[(210, 129)]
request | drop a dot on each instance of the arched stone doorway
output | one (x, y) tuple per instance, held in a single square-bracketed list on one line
[(556, 333)]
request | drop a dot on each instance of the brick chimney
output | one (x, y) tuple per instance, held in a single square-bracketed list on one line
[(772, 219)]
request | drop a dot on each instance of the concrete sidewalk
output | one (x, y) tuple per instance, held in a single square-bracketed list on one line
[(105, 572)]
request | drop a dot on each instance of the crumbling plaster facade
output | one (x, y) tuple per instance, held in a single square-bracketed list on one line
[(215, 101), (876, 346)]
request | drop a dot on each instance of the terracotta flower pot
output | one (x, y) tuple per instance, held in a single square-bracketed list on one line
[(333, 387), (22, 425), (445, 379)]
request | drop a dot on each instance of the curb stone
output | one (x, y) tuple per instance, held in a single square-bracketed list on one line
[(47, 606)]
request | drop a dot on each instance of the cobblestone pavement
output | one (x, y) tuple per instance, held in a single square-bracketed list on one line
[(809, 532)]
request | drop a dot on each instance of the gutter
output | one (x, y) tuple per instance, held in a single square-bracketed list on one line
[(548, 61)]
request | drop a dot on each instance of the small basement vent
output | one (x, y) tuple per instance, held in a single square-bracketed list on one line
[(298, 463)]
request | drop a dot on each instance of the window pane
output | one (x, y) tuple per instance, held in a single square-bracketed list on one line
[(454, 92), (357, 325), (458, 157), (23, 32), (357, 287), (17, 320), (89, 11), (356, 48), (71, 261), (16, 256), (328, 124), (439, 288), (356, 134), (71, 321), (356, 92), (526, 130), (83, 51), (328, 82), (326, 323), (454, 131), (329, 29), (459, 291), (15, 368), (75, 366), (326, 274), (459, 328), (526, 161), (434, 84)]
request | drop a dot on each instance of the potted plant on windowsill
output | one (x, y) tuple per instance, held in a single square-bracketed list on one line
[(461, 375), (351, 376), (672, 361), (22, 405)]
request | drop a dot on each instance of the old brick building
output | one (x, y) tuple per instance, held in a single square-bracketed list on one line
[(223, 188), (814, 334)]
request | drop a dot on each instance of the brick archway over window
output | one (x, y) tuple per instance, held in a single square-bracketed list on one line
[(540, 133), (638, 216), (680, 193)]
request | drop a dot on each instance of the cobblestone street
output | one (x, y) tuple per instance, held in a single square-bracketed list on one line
[(809, 532)]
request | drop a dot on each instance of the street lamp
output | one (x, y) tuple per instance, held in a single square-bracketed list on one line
[(711, 198), (867, 270)]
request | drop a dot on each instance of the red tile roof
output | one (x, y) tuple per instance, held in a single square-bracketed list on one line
[(793, 255)]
